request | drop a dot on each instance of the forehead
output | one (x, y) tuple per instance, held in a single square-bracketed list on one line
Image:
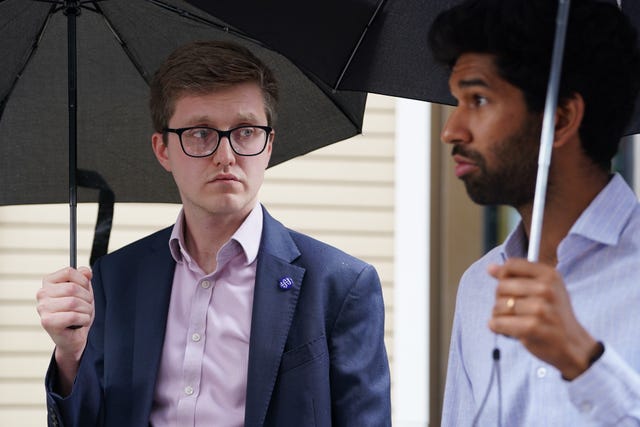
[(238, 102), (475, 69), (478, 71)]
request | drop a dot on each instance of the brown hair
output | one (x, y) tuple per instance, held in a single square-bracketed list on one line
[(203, 67)]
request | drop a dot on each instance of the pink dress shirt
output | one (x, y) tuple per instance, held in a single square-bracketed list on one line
[(202, 380)]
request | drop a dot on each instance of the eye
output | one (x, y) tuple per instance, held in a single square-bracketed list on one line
[(244, 133), (200, 133), (479, 100)]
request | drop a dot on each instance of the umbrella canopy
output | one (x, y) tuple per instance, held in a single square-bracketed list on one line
[(120, 43), (381, 46), (377, 46)]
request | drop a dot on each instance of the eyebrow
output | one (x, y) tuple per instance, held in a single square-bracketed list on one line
[(472, 83), (241, 117)]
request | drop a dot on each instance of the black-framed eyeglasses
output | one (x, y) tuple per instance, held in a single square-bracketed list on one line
[(202, 141)]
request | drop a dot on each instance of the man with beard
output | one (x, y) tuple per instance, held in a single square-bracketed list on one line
[(562, 331)]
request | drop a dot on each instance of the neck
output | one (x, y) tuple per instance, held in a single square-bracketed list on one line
[(566, 199), (205, 235)]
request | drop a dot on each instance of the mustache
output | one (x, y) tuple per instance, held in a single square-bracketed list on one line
[(463, 151)]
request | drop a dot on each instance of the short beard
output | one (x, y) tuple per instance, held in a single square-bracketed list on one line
[(512, 179)]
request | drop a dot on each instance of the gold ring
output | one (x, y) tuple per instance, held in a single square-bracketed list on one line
[(511, 304)]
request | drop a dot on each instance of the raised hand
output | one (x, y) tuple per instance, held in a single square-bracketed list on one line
[(533, 306), (66, 308)]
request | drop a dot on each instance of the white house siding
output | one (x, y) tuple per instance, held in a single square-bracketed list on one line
[(342, 194)]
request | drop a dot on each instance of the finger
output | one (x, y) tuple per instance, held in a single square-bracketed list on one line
[(57, 323), (64, 290), (518, 288), (86, 272), (505, 306), (64, 305), (68, 274), (517, 267)]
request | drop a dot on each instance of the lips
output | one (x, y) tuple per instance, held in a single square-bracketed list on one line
[(464, 165), (225, 177)]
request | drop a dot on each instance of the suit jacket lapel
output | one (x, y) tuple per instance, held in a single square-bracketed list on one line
[(273, 310), (152, 281)]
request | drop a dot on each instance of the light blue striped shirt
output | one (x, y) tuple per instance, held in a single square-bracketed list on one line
[(600, 262)]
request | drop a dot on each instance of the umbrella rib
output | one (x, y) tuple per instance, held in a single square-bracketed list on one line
[(226, 28), (203, 20), (357, 46), (34, 47), (83, 5), (137, 64)]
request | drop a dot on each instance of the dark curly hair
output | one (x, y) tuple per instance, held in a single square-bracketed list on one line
[(601, 58)]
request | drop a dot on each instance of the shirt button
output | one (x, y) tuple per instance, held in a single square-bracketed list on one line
[(188, 390), (195, 337), (205, 284), (541, 372)]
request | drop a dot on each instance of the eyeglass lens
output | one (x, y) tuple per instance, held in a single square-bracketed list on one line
[(245, 140)]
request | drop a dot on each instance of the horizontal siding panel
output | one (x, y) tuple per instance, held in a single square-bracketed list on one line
[(28, 367), (32, 342), (48, 214), (334, 219), (145, 216), (341, 171), (370, 147), (45, 261), (30, 416), (364, 247), (384, 269), (24, 237), (377, 102), (42, 216), (18, 315), (379, 122), (335, 196), (19, 289), (24, 392)]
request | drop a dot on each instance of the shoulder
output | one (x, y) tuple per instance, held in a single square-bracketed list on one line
[(305, 250), (476, 278), (314, 252), (157, 241)]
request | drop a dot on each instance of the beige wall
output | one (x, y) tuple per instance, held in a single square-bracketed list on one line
[(342, 194)]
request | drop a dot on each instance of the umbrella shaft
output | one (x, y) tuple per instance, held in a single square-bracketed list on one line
[(548, 122), (71, 11)]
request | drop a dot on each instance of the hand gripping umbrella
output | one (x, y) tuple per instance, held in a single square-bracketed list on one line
[(73, 95)]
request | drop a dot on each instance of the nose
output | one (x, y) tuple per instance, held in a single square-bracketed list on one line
[(224, 154), (455, 130)]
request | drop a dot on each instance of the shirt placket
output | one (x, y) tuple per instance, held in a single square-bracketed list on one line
[(194, 352)]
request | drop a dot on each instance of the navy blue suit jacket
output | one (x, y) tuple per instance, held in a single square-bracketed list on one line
[(316, 352)]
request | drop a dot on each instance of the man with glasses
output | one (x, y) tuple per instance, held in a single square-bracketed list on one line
[(227, 318)]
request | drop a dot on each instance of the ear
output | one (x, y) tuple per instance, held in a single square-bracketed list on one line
[(161, 150), (569, 117)]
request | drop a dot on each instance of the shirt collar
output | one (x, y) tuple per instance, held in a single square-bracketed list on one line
[(615, 201), (248, 236), (605, 218)]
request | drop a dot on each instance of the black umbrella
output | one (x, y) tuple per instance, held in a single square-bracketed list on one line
[(376, 46), (380, 46), (75, 74)]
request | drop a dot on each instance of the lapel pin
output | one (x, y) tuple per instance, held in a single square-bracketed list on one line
[(285, 283)]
